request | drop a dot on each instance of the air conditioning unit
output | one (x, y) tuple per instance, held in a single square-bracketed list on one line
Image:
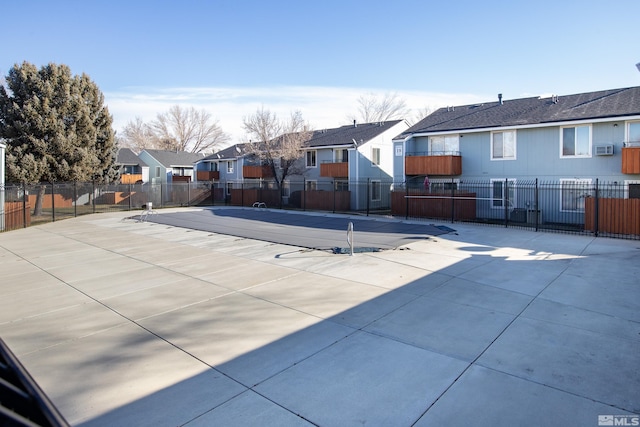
[(604, 150)]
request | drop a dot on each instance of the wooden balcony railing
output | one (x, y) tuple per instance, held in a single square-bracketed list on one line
[(446, 165), (256, 172), (131, 178), (335, 170), (631, 160), (207, 175), (181, 178)]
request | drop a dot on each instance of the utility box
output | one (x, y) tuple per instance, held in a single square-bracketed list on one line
[(518, 215), (534, 216)]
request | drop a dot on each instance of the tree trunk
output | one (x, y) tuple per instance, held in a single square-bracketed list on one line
[(37, 210)]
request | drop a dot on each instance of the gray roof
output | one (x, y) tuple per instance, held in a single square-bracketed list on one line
[(529, 111), (169, 158), (344, 135), (236, 150), (126, 156)]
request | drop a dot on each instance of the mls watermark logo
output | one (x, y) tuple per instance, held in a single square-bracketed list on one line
[(619, 420)]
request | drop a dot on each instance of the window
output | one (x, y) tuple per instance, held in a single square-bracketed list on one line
[(503, 145), (311, 185), (230, 167), (575, 141), (375, 191), (157, 171), (311, 159), (501, 198), (286, 189), (375, 156), (341, 186), (633, 133), (444, 145), (340, 156), (632, 190), (399, 150), (440, 186), (572, 194), (229, 188)]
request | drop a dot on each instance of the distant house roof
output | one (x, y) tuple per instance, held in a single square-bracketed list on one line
[(126, 157), (236, 150), (530, 111), (345, 135), (168, 158)]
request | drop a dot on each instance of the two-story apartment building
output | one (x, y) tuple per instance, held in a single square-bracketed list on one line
[(167, 166), (356, 158), (132, 169), (571, 140)]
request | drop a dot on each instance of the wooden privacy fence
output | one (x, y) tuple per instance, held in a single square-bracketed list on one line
[(15, 215), (459, 206), (618, 216)]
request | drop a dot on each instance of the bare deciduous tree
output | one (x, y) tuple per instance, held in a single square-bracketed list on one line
[(278, 144), (187, 130), (372, 108), (136, 135), (420, 114)]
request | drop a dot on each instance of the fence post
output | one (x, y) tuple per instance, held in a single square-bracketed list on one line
[(53, 203), (130, 195), (93, 195), (596, 209), (334, 195), (188, 194), (304, 194), (506, 202), (75, 198), (453, 202), (368, 194), (24, 205), (536, 209), (406, 200)]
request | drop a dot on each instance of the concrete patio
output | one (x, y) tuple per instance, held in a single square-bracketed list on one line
[(143, 324)]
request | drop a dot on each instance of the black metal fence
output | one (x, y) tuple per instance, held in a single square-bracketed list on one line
[(574, 206)]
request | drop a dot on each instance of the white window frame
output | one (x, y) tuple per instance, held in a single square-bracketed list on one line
[(375, 183), (437, 185), (444, 145), (511, 184), (341, 185), (505, 152), (627, 183), (311, 185), (314, 154), (575, 156), (627, 136), (230, 166), (340, 155), (580, 193), (375, 156), (229, 187)]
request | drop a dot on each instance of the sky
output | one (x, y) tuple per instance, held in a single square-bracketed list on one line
[(232, 57)]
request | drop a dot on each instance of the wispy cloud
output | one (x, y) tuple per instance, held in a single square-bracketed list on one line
[(322, 107)]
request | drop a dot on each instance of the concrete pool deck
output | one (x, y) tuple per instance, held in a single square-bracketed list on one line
[(138, 323)]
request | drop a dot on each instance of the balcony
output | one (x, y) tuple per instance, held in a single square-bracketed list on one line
[(631, 158), (449, 164), (130, 178), (207, 175), (334, 170), (257, 172)]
